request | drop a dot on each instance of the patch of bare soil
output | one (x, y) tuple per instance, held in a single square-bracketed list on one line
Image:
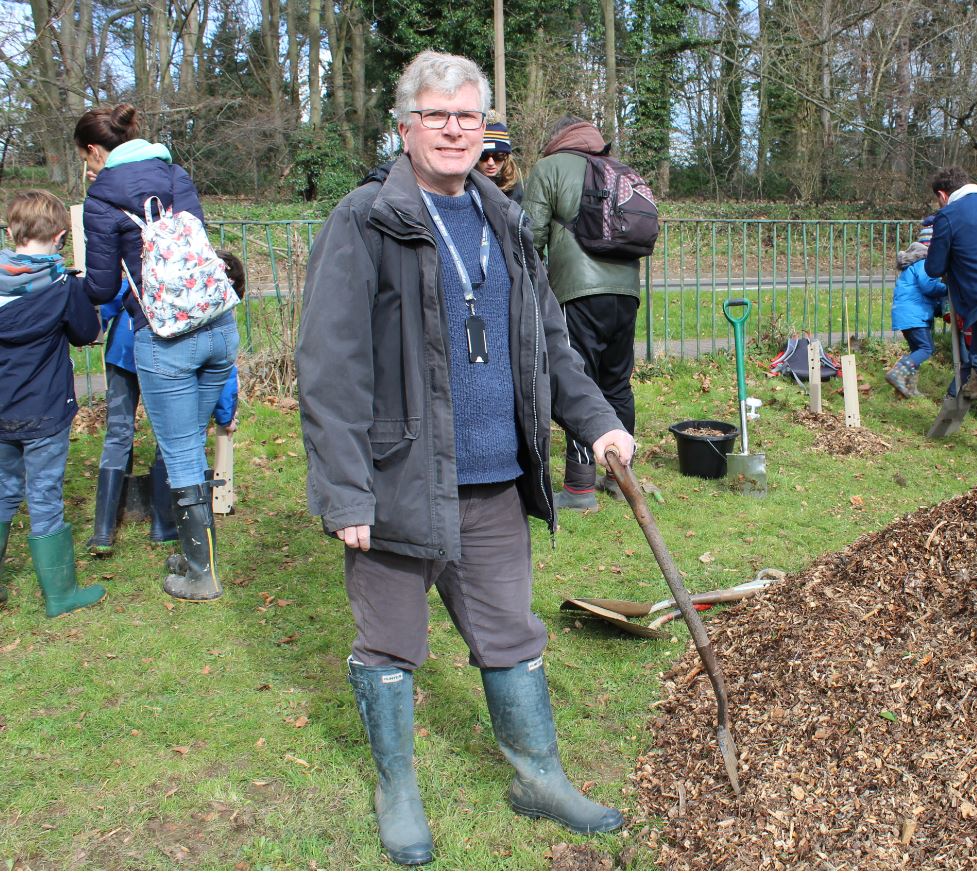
[(854, 708), (832, 437)]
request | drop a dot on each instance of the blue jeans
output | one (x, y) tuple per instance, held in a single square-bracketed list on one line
[(181, 380), (920, 341), (41, 462)]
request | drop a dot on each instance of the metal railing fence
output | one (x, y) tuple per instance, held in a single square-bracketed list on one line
[(830, 277)]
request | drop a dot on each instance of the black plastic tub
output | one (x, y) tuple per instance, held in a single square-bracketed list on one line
[(704, 456)]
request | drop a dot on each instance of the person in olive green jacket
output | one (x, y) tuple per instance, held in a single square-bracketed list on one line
[(599, 296)]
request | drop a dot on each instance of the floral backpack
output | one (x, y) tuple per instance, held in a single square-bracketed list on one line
[(184, 282)]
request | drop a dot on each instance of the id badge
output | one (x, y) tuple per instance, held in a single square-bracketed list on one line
[(477, 344)]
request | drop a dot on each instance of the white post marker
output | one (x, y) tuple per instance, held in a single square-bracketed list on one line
[(849, 378), (849, 383), (814, 375), (224, 469), (78, 236)]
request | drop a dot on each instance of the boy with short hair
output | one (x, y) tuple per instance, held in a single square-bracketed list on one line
[(42, 309)]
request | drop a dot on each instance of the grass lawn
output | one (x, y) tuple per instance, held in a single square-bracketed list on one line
[(154, 734)]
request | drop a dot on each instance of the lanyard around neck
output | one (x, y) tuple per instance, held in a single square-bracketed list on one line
[(466, 283)]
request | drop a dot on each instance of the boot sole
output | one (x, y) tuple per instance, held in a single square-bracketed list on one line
[(410, 860), (537, 813), (194, 599)]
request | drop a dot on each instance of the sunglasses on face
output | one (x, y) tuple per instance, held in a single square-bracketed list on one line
[(498, 157)]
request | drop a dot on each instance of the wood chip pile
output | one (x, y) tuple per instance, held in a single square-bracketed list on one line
[(854, 709), (833, 437)]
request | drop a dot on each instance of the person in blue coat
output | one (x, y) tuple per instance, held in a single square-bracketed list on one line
[(953, 251), (121, 400), (43, 310), (180, 378), (916, 300)]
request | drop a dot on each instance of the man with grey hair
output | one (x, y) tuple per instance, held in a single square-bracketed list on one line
[(430, 357)]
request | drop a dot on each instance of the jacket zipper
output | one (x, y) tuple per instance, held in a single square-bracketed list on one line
[(551, 520)]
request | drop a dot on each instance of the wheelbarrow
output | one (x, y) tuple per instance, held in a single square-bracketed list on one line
[(632, 491)]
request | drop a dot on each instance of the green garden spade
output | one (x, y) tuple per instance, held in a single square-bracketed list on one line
[(746, 473)]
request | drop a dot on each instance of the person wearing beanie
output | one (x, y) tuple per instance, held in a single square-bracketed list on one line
[(916, 300), (599, 296), (497, 163)]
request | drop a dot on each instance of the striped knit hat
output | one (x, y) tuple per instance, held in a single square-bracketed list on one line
[(496, 138), (926, 230)]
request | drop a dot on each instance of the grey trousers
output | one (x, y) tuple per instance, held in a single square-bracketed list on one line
[(488, 593)]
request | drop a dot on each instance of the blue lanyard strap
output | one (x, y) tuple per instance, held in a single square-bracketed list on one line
[(483, 258)]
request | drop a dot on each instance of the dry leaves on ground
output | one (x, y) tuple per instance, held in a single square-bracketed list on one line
[(854, 707)]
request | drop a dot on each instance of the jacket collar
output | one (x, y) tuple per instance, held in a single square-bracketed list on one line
[(400, 210)]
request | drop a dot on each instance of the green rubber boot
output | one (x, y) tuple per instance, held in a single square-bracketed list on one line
[(54, 564), (4, 536)]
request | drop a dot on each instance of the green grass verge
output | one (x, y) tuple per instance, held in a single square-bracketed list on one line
[(148, 734)]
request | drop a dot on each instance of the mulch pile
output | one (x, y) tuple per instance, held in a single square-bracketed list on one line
[(834, 438), (853, 689)]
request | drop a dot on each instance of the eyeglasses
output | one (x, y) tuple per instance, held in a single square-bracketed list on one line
[(498, 157), (435, 119)]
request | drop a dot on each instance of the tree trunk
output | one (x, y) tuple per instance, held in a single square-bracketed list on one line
[(357, 75), (291, 29), (337, 50), (610, 54), (315, 78)]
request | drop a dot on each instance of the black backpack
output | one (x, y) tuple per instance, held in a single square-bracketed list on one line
[(618, 217)]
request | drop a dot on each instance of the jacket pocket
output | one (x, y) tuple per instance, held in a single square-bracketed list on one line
[(391, 439)]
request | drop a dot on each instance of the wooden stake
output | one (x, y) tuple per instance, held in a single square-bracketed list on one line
[(814, 375), (224, 469), (78, 236), (849, 379)]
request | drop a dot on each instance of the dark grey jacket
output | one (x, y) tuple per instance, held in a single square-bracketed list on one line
[(373, 368)]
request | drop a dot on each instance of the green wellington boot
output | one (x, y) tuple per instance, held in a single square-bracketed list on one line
[(519, 702), (54, 564), (385, 699), (4, 536)]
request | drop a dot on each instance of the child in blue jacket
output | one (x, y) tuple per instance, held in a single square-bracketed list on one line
[(916, 300), (43, 309)]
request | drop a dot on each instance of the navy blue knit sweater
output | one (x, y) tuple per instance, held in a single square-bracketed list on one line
[(482, 395)]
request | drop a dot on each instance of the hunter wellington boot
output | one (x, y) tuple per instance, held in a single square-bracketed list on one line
[(579, 482), (162, 525), (4, 536), (385, 699), (519, 702), (54, 564), (108, 493), (193, 575)]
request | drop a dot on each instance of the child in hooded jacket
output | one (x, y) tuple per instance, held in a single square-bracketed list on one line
[(916, 300), (43, 309)]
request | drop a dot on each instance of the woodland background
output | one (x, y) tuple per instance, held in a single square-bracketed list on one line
[(807, 100)]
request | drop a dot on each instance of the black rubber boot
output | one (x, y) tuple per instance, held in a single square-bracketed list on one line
[(385, 699), (162, 525), (519, 702), (4, 536), (193, 575), (579, 483), (108, 494)]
